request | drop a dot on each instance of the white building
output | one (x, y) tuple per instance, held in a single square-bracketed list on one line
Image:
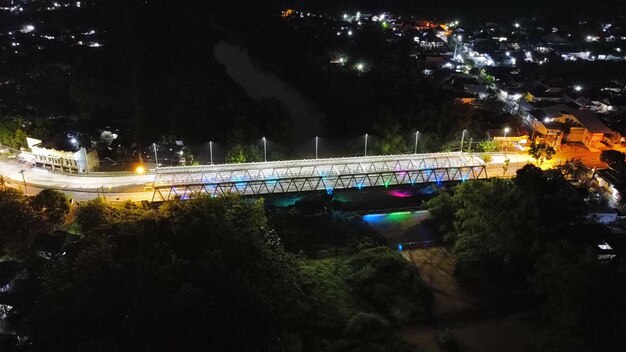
[(79, 162)]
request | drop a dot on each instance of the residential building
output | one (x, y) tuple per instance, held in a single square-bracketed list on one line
[(66, 161)]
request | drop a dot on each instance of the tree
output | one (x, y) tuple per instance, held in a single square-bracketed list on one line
[(442, 209), (389, 139), (488, 146), (3, 183), (20, 223), (243, 154), (377, 274), (52, 204), (541, 152), (573, 169), (505, 166), (202, 274), (493, 227), (612, 156), (92, 214), (19, 140), (582, 297)]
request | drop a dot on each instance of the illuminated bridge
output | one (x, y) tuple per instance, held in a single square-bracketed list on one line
[(316, 175)]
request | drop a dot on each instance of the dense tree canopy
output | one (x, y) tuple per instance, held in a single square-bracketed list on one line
[(209, 274), (523, 242), (612, 156)]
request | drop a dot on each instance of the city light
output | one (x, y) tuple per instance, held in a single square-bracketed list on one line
[(360, 66), (506, 131), (28, 28), (140, 170), (264, 149), (578, 88)]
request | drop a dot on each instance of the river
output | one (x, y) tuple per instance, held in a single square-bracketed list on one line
[(260, 84)]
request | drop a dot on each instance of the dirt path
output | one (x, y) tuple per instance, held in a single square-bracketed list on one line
[(454, 308)]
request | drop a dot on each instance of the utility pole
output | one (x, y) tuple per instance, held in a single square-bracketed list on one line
[(211, 151), (265, 149), (24, 180), (462, 138), (417, 136), (506, 131), (316, 145), (156, 157)]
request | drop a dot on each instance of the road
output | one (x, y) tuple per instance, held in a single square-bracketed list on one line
[(125, 186)]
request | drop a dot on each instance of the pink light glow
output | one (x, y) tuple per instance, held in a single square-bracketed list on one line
[(398, 193)]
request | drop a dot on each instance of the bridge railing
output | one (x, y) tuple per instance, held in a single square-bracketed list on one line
[(321, 161), (326, 168), (328, 182)]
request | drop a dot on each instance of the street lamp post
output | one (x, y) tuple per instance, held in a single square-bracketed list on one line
[(469, 149), (156, 157), (366, 144), (24, 180), (211, 151), (506, 130), (417, 136), (462, 138), (317, 141), (265, 149)]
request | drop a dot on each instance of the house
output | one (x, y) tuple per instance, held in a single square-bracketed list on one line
[(553, 39), (544, 129), (541, 93), (477, 90), (613, 86), (574, 54), (577, 125), (517, 137), (67, 161), (8, 272), (612, 181), (430, 40), (601, 214), (465, 99), (615, 103)]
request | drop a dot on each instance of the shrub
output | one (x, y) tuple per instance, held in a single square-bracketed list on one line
[(447, 341), (367, 324)]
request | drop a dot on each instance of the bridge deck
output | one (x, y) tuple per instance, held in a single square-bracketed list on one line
[(316, 175)]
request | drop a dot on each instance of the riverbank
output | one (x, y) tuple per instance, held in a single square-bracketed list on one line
[(454, 308)]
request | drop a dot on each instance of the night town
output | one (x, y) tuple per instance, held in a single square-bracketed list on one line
[(300, 175)]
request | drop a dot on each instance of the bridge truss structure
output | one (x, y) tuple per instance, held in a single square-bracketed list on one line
[(325, 175)]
